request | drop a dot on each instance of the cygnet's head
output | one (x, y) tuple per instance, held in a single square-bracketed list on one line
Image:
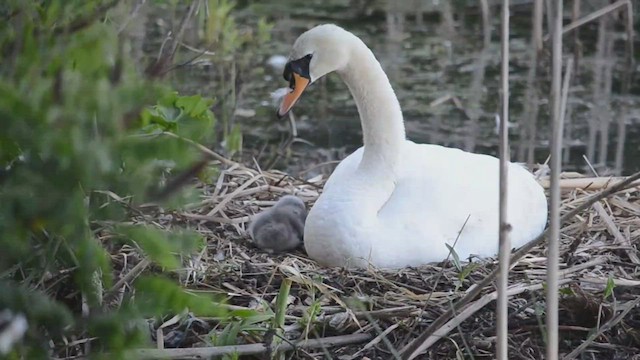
[(317, 52), (292, 204)]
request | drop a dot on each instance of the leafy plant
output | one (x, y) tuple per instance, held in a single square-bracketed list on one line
[(242, 322), (78, 130)]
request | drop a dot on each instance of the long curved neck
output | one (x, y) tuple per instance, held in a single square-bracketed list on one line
[(380, 113)]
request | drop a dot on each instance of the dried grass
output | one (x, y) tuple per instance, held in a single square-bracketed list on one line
[(598, 250)]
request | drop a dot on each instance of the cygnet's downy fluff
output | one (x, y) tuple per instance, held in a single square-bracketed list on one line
[(281, 227)]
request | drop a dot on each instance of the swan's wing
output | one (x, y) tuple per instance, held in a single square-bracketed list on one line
[(441, 190)]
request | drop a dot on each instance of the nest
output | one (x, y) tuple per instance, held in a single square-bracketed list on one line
[(371, 313)]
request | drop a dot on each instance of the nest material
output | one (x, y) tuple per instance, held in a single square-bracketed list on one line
[(599, 283)]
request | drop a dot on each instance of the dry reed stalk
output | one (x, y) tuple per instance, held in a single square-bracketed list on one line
[(527, 148), (564, 99), (622, 126), (502, 328), (577, 52), (249, 349), (598, 122), (538, 9), (605, 100), (626, 84), (577, 44), (598, 13), (553, 257), (473, 109), (587, 183)]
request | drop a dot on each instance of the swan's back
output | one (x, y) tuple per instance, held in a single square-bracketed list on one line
[(438, 190)]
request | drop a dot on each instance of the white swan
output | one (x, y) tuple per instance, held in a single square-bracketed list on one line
[(395, 203)]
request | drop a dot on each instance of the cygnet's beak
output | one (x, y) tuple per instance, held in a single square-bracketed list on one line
[(299, 83)]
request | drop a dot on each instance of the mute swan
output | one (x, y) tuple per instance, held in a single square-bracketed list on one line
[(281, 227), (394, 203)]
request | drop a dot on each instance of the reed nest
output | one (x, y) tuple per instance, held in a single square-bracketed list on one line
[(371, 313)]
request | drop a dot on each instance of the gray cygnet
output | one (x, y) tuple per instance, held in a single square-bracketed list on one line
[(281, 227)]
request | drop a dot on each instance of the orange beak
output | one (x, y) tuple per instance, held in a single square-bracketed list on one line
[(300, 83)]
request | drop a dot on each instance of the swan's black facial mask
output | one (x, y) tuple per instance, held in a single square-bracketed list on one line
[(296, 72)]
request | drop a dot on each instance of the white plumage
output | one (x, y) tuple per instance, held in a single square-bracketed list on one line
[(395, 203)]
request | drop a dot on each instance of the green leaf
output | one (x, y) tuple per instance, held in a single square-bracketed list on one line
[(455, 257), (567, 291), (161, 246), (194, 105), (608, 290), (160, 296), (467, 270), (233, 141)]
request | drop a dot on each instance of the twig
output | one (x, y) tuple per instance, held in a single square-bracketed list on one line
[(375, 340), (249, 349), (418, 345), (79, 24), (178, 182), (613, 229), (205, 150), (587, 183), (159, 67), (133, 14), (128, 278), (235, 193), (502, 327), (628, 306), (221, 220), (553, 255), (476, 306), (596, 14)]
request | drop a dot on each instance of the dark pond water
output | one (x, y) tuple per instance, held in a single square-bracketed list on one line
[(444, 65)]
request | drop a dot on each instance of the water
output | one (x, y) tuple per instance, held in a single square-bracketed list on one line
[(445, 71)]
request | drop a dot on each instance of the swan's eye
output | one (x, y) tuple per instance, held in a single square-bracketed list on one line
[(299, 66), (287, 71)]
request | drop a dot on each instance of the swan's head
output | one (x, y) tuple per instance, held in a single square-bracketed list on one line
[(317, 52)]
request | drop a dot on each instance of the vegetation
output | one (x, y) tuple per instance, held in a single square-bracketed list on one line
[(94, 138), (81, 148)]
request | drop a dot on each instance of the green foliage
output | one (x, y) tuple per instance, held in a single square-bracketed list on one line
[(158, 295), (187, 116), (79, 147), (242, 322), (608, 290), (454, 257), (161, 246)]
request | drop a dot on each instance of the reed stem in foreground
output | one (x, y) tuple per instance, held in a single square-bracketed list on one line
[(553, 255), (505, 243)]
